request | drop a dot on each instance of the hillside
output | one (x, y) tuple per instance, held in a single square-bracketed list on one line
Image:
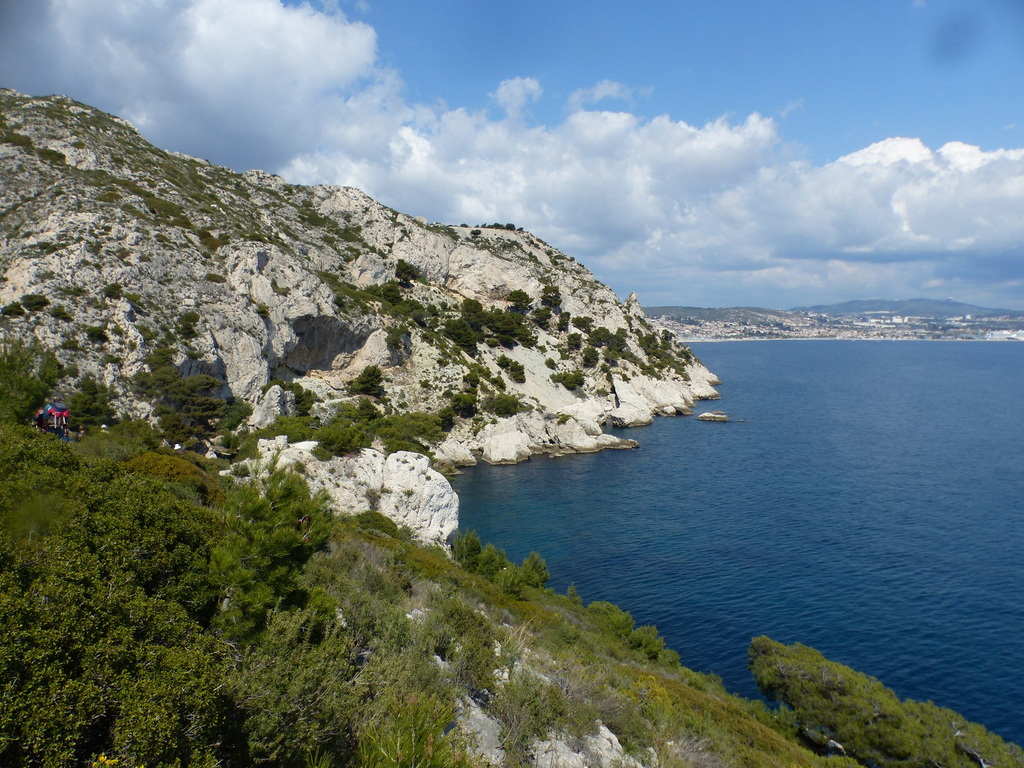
[(290, 592), (126, 259)]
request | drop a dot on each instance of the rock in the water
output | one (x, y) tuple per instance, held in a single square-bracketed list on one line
[(713, 416)]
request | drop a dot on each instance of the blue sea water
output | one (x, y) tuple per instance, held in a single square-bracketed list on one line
[(867, 500)]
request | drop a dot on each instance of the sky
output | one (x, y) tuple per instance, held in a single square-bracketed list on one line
[(698, 152)]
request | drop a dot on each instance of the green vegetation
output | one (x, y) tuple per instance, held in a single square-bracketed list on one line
[(91, 403), (867, 721), (187, 408), (33, 302), (569, 379), (27, 374)]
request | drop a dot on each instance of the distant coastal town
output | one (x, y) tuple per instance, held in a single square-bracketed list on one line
[(911, 319)]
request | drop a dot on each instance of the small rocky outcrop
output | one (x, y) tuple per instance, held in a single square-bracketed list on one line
[(601, 750), (401, 486)]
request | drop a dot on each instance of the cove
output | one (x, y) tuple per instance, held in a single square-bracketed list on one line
[(867, 499)]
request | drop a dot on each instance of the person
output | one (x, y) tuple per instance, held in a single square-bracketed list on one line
[(41, 419)]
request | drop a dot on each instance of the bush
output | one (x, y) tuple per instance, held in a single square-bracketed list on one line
[(504, 405), (97, 334), (569, 379), (205, 488), (34, 302), (120, 442), (186, 327), (103, 647), (415, 733), (273, 526), (296, 691), (519, 299)]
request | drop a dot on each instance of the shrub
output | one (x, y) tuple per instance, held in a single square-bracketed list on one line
[(97, 334), (273, 526), (504, 405), (415, 733), (186, 327), (33, 302), (550, 296), (569, 379), (832, 701), (180, 472), (296, 692)]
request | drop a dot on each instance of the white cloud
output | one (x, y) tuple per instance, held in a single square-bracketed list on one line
[(244, 81), (512, 95), (682, 213), (606, 89)]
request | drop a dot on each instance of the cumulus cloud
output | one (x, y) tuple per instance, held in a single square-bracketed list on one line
[(701, 214)]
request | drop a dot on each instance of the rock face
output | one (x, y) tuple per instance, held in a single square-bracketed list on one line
[(112, 249), (401, 486)]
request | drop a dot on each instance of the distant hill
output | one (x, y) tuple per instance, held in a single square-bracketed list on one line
[(907, 307), (910, 307), (721, 314)]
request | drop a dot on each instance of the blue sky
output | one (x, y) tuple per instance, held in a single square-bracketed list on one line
[(705, 153)]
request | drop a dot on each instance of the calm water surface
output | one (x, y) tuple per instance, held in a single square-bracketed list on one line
[(867, 499)]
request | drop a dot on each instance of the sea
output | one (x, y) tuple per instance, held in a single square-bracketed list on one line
[(866, 499)]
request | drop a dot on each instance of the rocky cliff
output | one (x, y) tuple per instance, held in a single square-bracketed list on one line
[(136, 265)]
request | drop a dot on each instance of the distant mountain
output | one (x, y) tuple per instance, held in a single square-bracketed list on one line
[(909, 307)]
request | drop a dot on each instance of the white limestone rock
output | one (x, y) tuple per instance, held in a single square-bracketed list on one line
[(275, 402), (401, 486), (482, 732), (517, 438), (601, 750), (719, 416)]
